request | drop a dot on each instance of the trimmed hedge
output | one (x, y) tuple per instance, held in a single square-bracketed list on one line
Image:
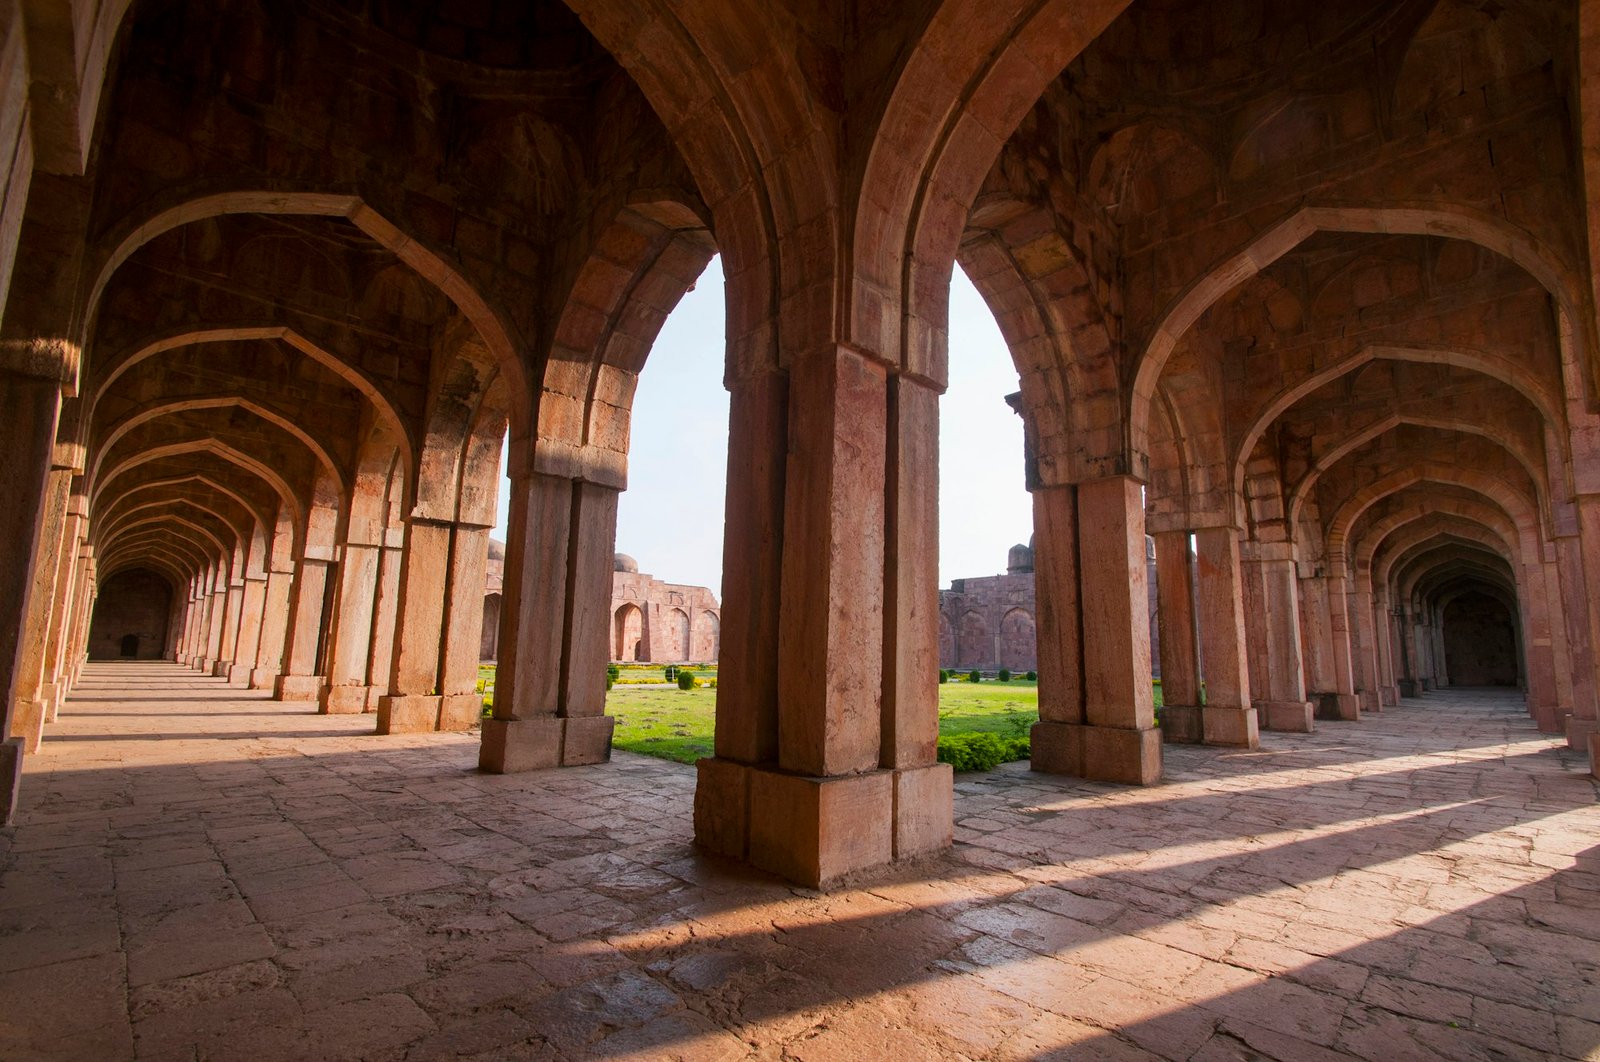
[(981, 751)]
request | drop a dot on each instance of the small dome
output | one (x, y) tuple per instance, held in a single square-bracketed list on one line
[(1019, 559), (497, 550), (621, 562)]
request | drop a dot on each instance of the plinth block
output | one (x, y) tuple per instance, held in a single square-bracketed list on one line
[(586, 739), (1231, 727), (1579, 731), (10, 778), (511, 746), (296, 687), (219, 668), (722, 807), (924, 810), (263, 678), (1098, 753), (1292, 716), (460, 711), (1181, 724), (27, 724), (342, 700), (816, 830), (414, 714), (238, 674)]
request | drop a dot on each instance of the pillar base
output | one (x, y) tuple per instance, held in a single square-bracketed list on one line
[(296, 687), (586, 739), (1231, 727), (220, 668), (51, 695), (262, 678), (817, 831), (374, 695), (460, 711), (1099, 753), (514, 745), (1371, 700), (10, 779), (342, 700), (1292, 716), (27, 724), (1579, 731), (1338, 706), (1547, 719), (409, 714), (238, 674), (1181, 724)]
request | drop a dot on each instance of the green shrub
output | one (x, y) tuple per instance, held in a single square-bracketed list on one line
[(613, 672), (944, 676), (973, 676), (1005, 674), (686, 679), (1033, 676), (981, 751), (670, 671)]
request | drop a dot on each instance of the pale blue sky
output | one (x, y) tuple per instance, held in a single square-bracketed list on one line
[(670, 518)]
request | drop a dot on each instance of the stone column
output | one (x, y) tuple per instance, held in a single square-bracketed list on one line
[(1116, 740), (274, 630), (1274, 628), (56, 663), (1585, 718), (385, 613), (412, 702), (747, 671), (1317, 644), (87, 573), (232, 613), (345, 691), (28, 708), (299, 680), (216, 611), (1181, 720), (461, 706), (1386, 641), (1347, 703), (1560, 648), (923, 806), (29, 406), (1229, 714), (1539, 653), (252, 612)]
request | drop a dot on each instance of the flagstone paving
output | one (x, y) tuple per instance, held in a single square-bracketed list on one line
[(201, 873)]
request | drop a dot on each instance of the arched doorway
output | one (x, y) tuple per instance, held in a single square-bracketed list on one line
[(628, 636), (1480, 642)]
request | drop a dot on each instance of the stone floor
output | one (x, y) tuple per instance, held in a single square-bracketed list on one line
[(200, 873)]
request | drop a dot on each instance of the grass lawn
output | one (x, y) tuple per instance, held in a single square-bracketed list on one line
[(677, 724)]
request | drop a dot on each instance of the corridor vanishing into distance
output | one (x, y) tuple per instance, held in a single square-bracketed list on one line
[(202, 872)]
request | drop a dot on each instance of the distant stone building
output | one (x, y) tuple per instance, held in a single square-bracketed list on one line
[(987, 622), (651, 621), (661, 623)]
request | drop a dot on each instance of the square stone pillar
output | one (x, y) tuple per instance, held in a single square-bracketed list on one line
[(345, 690), (413, 701), (549, 700), (1341, 650), (844, 780), (1100, 542), (274, 630), (232, 614), (29, 407), (299, 681), (385, 617), (250, 617), (1538, 652), (1274, 629), (461, 706), (1181, 718), (1229, 715), (1585, 717)]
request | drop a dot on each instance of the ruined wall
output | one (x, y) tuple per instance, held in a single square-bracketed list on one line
[(663, 623)]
